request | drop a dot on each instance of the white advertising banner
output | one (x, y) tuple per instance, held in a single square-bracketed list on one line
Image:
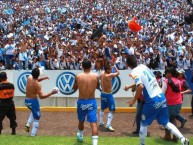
[(64, 80)]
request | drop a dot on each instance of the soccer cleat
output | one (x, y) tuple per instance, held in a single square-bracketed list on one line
[(135, 132), (79, 138), (27, 128), (109, 128), (183, 123), (33, 135), (186, 142)]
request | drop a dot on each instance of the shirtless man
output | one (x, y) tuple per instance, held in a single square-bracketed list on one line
[(107, 99), (87, 83), (33, 90)]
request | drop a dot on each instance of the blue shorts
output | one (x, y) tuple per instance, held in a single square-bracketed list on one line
[(34, 106), (107, 101), (155, 110), (87, 108)]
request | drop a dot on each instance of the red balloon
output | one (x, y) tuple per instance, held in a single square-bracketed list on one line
[(133, 25)]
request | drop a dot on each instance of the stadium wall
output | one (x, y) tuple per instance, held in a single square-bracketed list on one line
[(67, 97)]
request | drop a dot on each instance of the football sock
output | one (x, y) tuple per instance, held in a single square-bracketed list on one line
[(95, 140), (173, 129), (30, 120), (101, 116), (35, 127), (109, 120), (143, 134)]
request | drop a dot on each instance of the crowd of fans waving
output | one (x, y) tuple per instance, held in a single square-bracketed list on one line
[(56, 35)]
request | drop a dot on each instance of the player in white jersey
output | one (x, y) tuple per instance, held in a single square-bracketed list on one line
[(155, 106)]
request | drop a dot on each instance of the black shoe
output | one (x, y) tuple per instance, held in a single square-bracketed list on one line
[(183, 123), (135, 132), (0, 131), (13, 131), (27, 128)]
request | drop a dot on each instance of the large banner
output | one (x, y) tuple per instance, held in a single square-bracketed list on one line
[(64, 80)]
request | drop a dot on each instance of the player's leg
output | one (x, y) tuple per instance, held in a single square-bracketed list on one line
[(147, 117), (12, 117), (111, 106), (81, 112), (28, 104), (36, 115), (101, 114), (103, 107), (94, 133), (92, 118), (143, 134), (29, 122), (163, 119), (80, 130), (173, 129)]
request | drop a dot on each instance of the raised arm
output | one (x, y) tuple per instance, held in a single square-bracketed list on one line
[(114, 74), (43, 78), (43, 96)]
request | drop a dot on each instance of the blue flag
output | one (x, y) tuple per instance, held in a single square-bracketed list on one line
[(26, 22)]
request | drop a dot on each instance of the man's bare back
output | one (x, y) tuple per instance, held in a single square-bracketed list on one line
[(106, 81), (32, 87), (87, 83)]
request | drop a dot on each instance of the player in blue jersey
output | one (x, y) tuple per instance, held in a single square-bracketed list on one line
[(155, 106), (107, 99), (87, 82)]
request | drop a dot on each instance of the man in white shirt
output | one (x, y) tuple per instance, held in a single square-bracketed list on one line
[(155, 106), (9, 51)]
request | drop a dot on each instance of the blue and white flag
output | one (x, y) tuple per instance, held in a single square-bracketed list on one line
[(9, 11)]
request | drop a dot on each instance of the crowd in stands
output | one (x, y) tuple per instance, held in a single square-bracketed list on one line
[(56, 35)]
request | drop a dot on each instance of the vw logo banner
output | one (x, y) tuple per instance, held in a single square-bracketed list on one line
[(64, 80)]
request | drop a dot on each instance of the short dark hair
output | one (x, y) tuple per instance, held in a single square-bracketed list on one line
[(3, 76), (108, 66), (35, 73), (86, 64), (131, 61)]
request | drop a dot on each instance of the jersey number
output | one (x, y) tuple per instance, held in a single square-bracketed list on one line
[(149, 75)]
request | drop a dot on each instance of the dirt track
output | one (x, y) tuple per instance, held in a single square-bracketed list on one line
[(65, 124)]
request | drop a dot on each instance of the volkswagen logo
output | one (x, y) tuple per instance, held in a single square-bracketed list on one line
[(22, 81), (116, 84), (65, 82)]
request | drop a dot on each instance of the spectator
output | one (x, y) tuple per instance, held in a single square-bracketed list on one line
[(49, 31), (171, 88)]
